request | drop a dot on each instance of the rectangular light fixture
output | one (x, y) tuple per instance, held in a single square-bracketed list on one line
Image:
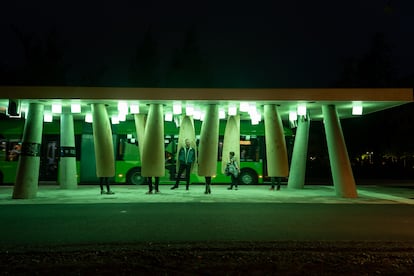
[(88, 118), (244, 107), (189, 110), (56, 108), (357, 110), (75, 108), (134, 108), (123, 107), (293, 116), (222, 114), (47, 117), (168, 117), (177, 108), (122, 117), (197, 114), (232, 110), (301, 109), (114, 120)]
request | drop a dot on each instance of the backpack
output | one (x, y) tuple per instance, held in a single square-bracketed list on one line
[(231, 170)]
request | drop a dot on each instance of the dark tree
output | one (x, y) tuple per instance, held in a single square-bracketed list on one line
[(188, 66), (92, 77), (44, 60), (144, 70), (374, 69)]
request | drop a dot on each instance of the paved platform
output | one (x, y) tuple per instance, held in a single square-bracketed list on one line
[(367, 194)]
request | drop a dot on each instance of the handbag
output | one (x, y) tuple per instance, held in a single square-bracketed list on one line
[(231, 170)]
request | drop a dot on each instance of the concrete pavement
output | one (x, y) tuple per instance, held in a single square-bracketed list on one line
[(84, 194)]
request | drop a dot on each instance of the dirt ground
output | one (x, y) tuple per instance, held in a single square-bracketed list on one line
[(221, 258)]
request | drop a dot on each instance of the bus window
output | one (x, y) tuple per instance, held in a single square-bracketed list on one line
[(13, 149), (127, 149), (3, 150), (249, 149)]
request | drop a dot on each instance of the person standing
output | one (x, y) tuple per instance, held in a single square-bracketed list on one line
[(234, 170), (186, 158), (208, 182), (105, 181), (155, 187), (273, 179)]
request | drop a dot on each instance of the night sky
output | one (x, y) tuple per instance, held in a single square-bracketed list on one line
[(254, 44)]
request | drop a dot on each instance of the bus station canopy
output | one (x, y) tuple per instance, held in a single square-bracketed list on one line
[(287, 99)]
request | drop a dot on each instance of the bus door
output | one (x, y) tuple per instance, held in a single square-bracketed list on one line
[(49, 158), (9, 157)]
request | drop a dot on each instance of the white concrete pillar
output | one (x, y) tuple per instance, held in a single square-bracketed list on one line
[(102, 138), (208, 147), (67, 163), (27, 178), (276, 152), (140, 128), (231, 140), (299, 155), (153, 152), (342, 175)]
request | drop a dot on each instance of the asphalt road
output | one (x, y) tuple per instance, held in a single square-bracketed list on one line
[(59, 224)]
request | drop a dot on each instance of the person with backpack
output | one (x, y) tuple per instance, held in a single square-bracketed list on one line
[(233, 170)]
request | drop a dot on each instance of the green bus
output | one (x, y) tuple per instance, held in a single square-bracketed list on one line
[(127, 164)]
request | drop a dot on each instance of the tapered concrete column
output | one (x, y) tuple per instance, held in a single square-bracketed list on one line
[(153, 155), (67, 163), (231, 140), (140, 128), (27, 177), (102, 138), (299, 155), (208, 148), (342, 175), (276, 152), (187, 132)]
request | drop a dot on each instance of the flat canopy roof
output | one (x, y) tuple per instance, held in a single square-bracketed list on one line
[(372, 99)]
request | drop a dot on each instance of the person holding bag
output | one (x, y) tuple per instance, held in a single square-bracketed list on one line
[(233, 170)]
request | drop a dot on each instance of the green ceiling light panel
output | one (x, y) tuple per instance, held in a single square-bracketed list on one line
[(88, 117), (197, 113), (232, 110), (134, 108), (357, 108), (244, 107), (122, 110), (189, 110), (56, 108), (177, 109), (168, 116), (302, 109), (115, 120), (75, 108), (222, 114), (47, 117)]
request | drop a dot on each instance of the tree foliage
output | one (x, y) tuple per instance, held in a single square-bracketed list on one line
[(374, 69), (144, 70), (43, 59), (188, 67)]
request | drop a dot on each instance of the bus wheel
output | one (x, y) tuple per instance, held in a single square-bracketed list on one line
[(134, 177), (248, 177)]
